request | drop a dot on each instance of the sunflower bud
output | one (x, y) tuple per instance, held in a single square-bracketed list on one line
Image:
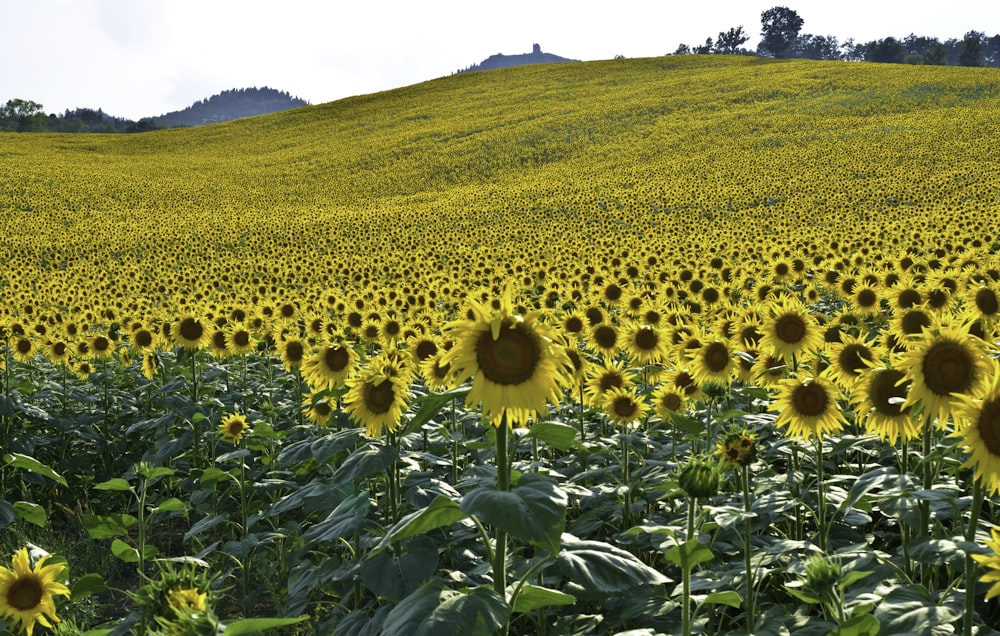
[(700, 478), (823, 575)]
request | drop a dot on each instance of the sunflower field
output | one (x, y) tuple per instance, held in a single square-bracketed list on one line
[(680, 345)]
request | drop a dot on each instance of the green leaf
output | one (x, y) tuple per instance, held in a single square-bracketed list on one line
[(730, 598), (442, 511), (729, 415), (365, 462), (212, 475), (7, 515), (853, 577), (124, 551), (393, 577), (534, 511), (348, 517), (911, 610), (113, 484), (86, 585), (108, 526), (160, 471), (30, 512), (32, 465), (864, 625), (430, 405), (205, 523), (532, 597), (245, 626), (934, 551), (687, 424), (601, 567), (689, 554), (802, 596), (556, 435), (433, 610), (170, 505)]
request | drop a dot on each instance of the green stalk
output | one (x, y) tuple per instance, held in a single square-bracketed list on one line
[(686, 572), (970, 563), (747, 560), (503, 485), (821, 488)]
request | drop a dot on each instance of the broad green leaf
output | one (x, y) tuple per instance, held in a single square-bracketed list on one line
[(205, 523), (170, 505), (532, 597), (730, 598), (534, 511), (30, 512), (601, 567), (864, 625), (393, 577), (245, 626), (430, 405), (853, 577), (911, 610), (687, 424), (212, 475), (365, 462), (348, 517), (7, 515), (108, 526), (689, 554), (124, 551), (113, 484), (556, 435), (802, 596), (442, 511), (160, 471), (433, 610), (86, 585), (32, 465)]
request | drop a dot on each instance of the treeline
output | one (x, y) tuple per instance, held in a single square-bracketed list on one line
[(781, 38), (21, 115)]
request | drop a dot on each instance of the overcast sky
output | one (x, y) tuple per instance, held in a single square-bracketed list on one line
[(141, 58)]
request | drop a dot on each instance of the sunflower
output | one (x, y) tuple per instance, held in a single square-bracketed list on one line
[(102, 347), (143, 340), (186, 599), (240, 338), (329, 366), (512, 360), (768, 371), (603, 339), (573, 324), (983, 302), (849, 358), (437, 376), (83, 369), (865, 300), (292, 350), (233, 427), (57, 351), (879, 398), (992, 564), (714, 362), (644, 344), (807, 407), (23, 349), (981, 438), (26, 592), (624, 406), (908, 323), (218, 345), (318, 409), (190, 332), (149, 365), (683, 380), (423, 347), (791, 331), (738, 450), (668, 399), (376, 401), (943, 364), (602, 378)]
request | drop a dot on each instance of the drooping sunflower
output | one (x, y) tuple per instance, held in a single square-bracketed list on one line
[(807, 407), (981, 437), (791, 331), (943, 364), (26, 592), (624, 406), (376, 401), (767, 371), (233, 427), (513, 362), (150, 364), (879, 398)]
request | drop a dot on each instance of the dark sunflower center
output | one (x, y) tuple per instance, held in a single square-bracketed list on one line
[(59, 348), (986, 301), (914, 321), (989, 426), (716, 357), (235, 428), (810, 400), (191, 329), (750, 336), (335, 358), (685, 382), (510, 359), (867, 298), (294, 350), (852, 358), (574, 324), (25, 593), (594, 316), (23, 346), (379, 398), (425, 349), (605, 337), (322, 409), (287, 310), (241, 338), (613, 292), (219, 339), (441, 371), (143, 338), (790, 328), (624, 406), (948, 367), (937, 298), (610, 380), (671, 402), (646, 339), (908, 298), (883, 389), (101, 343)]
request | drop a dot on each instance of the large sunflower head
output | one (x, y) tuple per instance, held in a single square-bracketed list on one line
[(625, 406), (190, 332), (790, 331), (807, 407), (879, 397), (981, 437), (512, 360), (645, 344), (26, 592), (329, 365), (376, 401), (943, 364), (849, 359), (714, 362)]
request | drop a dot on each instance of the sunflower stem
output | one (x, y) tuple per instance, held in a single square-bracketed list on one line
[(821, 492), (970, 563), (626, 479), (686, 571), (747, 555), (503, 485)]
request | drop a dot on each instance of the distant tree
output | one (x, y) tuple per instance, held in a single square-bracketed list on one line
[(970, 51), (889, 50), (704, 48), (937, 55), (729, 42), (23, 115), (991, 51), (683, 49), (779, 28), (815, 47)]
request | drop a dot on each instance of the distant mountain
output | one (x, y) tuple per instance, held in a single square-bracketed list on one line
[(227, 106), (500, 60)]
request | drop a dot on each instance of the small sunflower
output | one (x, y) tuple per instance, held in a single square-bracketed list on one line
[(318, 409), (102, 347), (738, 450), (603, 339), (512, 360), (714, 362), (625, 406), (190, 332), (23, 349), (849, 358), (233, 427), (879, 399), (669, 399), (943, 364), (601, 379), (376, 401), (292, 350), (26, 592), (329, 366), (791, 331), (240, 339), (807, 407), (186, 599), (644, 344)]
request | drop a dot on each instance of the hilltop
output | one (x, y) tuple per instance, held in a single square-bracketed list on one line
[(502, 61), (229, 105)]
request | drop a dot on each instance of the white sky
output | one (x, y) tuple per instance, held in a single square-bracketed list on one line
[(141, 58)]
